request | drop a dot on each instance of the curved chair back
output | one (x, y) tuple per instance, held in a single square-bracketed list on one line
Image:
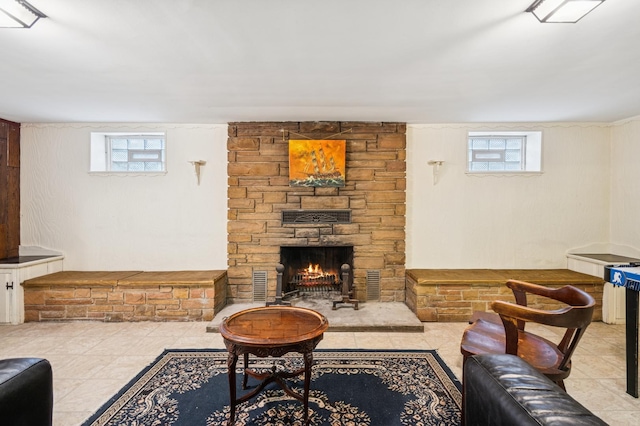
[(554, 360)]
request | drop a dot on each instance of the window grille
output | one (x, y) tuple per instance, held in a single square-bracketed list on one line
[(497, 153), (135, 153)]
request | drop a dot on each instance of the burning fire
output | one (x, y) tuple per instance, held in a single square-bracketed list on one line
[(314, 275), (314, 271)]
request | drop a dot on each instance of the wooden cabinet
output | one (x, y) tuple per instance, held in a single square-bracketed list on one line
[(9, 188), (12, 275), (5, 299)]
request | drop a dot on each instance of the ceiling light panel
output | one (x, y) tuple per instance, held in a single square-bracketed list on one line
[(18, 14), (562, 11)]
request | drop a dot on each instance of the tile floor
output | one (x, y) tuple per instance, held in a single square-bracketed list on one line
[(92, 361)]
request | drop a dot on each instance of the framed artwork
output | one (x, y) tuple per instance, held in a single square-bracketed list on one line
[(318, 163)]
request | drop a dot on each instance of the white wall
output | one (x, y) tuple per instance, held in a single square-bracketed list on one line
[(528, 221), (625, 187), (109, 222), (168, 222)]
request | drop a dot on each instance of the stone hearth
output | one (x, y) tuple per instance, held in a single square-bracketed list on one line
[(374, 193)]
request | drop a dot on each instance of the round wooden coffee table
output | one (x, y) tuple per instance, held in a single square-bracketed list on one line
[(271, 331)]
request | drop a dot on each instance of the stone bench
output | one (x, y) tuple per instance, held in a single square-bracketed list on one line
[(125, 296), (454, 294)]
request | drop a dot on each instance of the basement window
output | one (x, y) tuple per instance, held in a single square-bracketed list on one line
[(128, 152), (504, 152)]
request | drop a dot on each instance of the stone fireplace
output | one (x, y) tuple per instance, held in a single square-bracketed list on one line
[(373, 201)]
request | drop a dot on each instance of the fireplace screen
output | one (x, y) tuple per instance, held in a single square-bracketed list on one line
[(313, 269)]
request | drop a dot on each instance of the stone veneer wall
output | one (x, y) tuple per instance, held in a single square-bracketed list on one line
[(114, 296), (455, 294), (121, 303), (258, 168)]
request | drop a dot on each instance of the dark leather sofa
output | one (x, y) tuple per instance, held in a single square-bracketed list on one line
[(505, 390), (26, 392)]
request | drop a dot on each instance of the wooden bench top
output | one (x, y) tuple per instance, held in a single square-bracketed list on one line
[(128, 278), (182, 278), (500, 276), (84, 278)]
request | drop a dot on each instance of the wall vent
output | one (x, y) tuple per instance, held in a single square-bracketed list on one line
[(259, 280), (373, 285), (315, 216)]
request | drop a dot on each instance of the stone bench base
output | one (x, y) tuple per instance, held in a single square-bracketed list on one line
[(125, 296), (454, 294)]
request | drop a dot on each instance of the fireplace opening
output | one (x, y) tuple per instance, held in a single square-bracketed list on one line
[(314, 269)]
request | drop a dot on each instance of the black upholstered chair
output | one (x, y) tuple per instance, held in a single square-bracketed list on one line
[(26, 392), (504, 390)]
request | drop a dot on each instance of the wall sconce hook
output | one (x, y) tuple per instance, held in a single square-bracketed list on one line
[(436, 168), (197, 165)]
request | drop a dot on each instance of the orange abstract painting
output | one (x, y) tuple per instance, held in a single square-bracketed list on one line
[(317, 162)]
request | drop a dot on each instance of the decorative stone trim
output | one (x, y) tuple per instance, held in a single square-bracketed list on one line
[(290, 217)]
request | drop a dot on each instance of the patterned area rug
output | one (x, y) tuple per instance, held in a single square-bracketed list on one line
[(348, 387)]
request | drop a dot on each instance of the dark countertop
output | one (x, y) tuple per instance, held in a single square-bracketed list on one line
[(607, 257), (24, 259)]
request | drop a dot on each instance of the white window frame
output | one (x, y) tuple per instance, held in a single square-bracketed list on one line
[(101, 152), (530, 152)]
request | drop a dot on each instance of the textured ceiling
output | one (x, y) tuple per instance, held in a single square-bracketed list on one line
[(420, 61)]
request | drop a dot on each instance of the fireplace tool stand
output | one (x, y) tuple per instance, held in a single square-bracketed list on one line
[(347, 293), (279, 301)]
